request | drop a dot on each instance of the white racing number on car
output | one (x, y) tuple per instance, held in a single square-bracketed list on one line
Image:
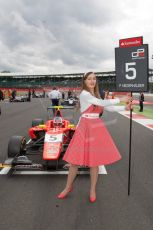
[(53, 137)]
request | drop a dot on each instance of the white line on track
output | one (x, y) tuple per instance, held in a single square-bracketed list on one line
[(142, 121), (5, 171), (102, 170)]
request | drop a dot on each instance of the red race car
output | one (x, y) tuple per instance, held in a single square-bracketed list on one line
[(49, 139)]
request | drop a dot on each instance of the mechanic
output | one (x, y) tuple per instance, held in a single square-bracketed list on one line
[(63, 95), (54, 96), (91, 145), (13, 94), (141, 100), (1, 95), (29, 95), (69, 94)]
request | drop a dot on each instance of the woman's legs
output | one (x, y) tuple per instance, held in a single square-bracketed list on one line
[(93, 177), (71, 176)]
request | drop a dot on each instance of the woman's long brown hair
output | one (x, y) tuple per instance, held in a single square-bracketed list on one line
[(84, 86)]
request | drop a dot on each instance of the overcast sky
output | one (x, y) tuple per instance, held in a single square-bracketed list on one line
[(69, 36)]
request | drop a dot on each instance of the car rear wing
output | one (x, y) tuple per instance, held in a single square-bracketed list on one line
[(60, 107)]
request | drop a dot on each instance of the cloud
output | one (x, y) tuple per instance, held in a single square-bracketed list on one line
[(70, 35)]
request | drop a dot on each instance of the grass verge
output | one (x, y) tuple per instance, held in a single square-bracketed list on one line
[(147, 112)]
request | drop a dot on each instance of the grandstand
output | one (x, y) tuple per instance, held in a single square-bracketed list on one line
[(38, 81)]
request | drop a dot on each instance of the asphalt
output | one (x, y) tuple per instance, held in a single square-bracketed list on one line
[(29, 202)]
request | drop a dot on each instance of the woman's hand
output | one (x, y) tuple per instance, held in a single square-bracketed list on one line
[(127, 99)]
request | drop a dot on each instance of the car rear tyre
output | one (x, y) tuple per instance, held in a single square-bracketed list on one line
[(16, 146), (37, 121)]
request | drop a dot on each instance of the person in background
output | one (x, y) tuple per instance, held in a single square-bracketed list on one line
[(69, 94), (107, 94), (141, 100), (33, 92), (102, 93), (54, 96), (44, 94), (13, 94), (63, 95), (29, 95), (1, 95)]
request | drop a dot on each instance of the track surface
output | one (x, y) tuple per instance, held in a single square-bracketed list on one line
[(29, 202)]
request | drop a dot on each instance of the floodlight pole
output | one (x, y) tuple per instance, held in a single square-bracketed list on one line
[(130, 142)]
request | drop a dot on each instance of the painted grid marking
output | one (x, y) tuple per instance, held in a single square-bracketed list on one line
[(148, 123), (5, 170)]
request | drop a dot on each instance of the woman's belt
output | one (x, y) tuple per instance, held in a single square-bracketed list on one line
[(90, 115)]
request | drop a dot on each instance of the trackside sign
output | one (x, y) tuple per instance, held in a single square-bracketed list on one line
[(132, 68), (129, 42)]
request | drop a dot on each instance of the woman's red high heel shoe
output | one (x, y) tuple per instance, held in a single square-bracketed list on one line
[(92, 199), (62, 196)]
